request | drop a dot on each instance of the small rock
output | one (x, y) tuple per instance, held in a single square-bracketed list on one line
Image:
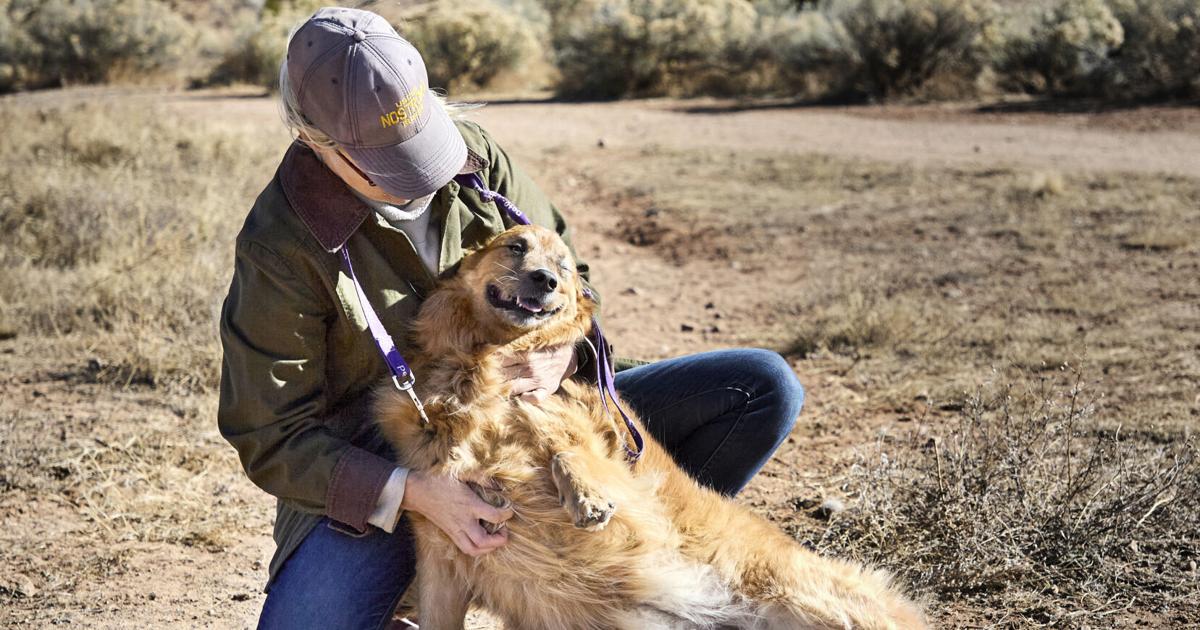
[(19, 585), (600, 143), (714, 329), (710, 305), (686, 327), (239, 597), (152, 596), (631, 291)]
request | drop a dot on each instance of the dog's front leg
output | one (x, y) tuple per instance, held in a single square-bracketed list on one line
[(589, 509), (444, 598)]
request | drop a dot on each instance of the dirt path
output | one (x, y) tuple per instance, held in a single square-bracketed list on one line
[(921, 135)]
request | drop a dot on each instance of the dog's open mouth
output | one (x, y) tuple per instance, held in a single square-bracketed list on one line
[(524, 306)]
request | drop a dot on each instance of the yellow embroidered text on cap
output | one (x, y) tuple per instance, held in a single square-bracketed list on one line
[(408, 110)]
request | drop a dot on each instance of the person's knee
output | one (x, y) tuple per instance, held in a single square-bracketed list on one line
[(777, 382)]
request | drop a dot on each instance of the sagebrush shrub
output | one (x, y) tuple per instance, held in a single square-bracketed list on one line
[(259, 45), (1160, 55), (615, 48), (900, 46), (811, 53), (60, 42), (1062, 49), (467, 44)]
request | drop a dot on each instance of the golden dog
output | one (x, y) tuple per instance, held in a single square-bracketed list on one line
[(595, 542)]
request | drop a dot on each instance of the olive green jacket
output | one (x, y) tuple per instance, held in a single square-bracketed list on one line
[(298, 357)]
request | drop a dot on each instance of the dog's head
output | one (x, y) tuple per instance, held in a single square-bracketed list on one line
[(523, 281)]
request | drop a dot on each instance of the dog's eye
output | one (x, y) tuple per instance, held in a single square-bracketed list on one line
[(517, 247), (565, 265)]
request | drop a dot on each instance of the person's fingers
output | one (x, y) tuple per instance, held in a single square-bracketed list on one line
[(536, 395), (492, 514), (515, 361), (483, 542), (463, 541), (523, 385)]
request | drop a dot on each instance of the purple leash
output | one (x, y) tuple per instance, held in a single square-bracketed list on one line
[(605, 379), (402, 375)]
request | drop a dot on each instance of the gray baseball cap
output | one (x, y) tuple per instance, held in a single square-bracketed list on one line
[(359, 82)]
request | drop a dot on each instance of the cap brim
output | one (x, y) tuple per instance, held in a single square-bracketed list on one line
[(420, 165)]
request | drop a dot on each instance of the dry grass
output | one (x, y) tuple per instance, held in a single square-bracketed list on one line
[(119, 220), (1029, 509)]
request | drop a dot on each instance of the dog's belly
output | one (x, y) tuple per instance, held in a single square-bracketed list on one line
[(553, 574)]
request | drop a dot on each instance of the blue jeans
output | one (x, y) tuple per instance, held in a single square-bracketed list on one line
[(720, 414)]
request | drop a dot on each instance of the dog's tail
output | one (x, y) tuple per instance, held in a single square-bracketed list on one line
[(825, 593)]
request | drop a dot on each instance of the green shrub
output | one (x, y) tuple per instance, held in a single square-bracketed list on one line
[(1063, 49), (60, 42), (1160, 56), (468, 44), (899, 47), (615, 48)]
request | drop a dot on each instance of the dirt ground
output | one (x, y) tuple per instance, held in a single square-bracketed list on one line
[(887, 203)]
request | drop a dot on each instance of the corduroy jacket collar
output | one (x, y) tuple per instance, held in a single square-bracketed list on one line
[(328, 208)]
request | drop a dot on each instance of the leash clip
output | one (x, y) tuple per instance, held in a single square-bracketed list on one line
[(407, 388)]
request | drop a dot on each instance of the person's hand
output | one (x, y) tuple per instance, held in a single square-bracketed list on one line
[(456, 510), (537, 374)]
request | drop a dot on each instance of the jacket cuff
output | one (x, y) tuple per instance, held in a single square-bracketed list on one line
[(387, 508), (358, 479)]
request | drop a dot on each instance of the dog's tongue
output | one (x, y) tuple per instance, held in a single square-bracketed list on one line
[(529, 305)]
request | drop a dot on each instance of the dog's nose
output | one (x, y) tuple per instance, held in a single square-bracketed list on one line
[(544, 279)]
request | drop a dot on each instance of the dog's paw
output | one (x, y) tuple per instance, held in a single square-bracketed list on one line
[(587, 508), (592, 513)]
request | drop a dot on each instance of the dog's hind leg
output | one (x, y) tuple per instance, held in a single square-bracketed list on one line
[(444, 598), (587, 506)]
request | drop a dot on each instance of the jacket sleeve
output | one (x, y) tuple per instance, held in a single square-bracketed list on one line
[(273, 398)]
